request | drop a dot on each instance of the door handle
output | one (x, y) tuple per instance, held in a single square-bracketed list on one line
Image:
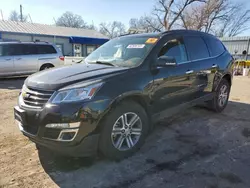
[(214, 66), (189, 72), (19, 58), (8, 59)]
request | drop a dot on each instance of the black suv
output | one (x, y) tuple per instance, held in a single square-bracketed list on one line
[(110, 102)]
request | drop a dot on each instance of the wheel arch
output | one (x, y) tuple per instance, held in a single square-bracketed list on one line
[(46, 64), (131, 96), (227, 76)]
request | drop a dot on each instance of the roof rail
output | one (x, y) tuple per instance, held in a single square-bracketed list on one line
[(124, 34), (41, 42)]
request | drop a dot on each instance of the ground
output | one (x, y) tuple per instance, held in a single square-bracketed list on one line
[(194, 149)]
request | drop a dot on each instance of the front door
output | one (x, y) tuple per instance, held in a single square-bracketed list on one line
[(173, 85), (6, 61)]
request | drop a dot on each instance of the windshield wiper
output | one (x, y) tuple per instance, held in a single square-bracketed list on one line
[(104, 63)]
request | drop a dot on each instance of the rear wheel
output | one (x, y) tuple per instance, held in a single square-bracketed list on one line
[(124, 130), (220, 100), (46, 66)]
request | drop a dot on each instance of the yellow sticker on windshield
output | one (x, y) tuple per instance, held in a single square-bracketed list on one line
[(151, 40)]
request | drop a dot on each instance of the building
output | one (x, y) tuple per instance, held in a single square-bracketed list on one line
[(237, 45), (71, 41)]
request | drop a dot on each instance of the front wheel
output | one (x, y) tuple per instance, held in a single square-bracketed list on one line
[(220, 100), (124, 130)]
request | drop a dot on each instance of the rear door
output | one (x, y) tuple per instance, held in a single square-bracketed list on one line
[(201, 64), (6, 60), (216, 49), (172, 84), (25, 59)]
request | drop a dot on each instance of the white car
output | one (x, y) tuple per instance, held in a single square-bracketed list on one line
[(23, 58)]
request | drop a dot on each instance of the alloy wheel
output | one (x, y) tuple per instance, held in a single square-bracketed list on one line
[(126, 131), (223, 95)]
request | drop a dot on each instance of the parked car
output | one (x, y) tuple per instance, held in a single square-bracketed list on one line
[(24, 58), (111, 102)]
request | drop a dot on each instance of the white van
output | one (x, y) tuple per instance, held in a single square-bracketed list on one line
[(23, 58)]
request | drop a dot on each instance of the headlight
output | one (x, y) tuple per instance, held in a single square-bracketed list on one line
[(76, 94)]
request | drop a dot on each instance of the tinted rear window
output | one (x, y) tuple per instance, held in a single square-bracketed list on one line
[(215, 46), (27, 49), (46, 49), (196, 47)]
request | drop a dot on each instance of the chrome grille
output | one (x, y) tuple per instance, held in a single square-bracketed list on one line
[(35, 98)]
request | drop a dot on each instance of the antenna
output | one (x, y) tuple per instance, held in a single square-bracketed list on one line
[(30, 18), (2, 14)]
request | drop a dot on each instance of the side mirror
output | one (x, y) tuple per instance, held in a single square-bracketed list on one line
[(165, 61)]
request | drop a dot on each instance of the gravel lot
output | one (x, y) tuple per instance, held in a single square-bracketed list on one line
[(194, 149)]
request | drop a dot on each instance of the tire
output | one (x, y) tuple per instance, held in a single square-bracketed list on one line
[(46, 66), (109, 144), (215, 104)]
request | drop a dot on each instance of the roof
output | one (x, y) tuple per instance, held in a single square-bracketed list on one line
[(179, 31), (42, 29)]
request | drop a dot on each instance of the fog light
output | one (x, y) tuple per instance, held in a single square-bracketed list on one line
[(63, 125), (67, 135)]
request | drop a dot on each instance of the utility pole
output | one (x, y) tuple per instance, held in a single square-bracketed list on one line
[(21, 13)]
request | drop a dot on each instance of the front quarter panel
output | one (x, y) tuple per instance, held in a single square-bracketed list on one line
[(132, 84)]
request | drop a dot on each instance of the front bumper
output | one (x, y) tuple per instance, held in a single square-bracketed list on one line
[(32, 123)]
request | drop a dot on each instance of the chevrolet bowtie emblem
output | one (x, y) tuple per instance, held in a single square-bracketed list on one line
[(25, 95)]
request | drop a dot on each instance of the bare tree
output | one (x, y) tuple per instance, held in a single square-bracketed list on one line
[(146, 23), (68, 19), (236, 22), (169, 11), (112, 29), (15, 16), (221, 17)]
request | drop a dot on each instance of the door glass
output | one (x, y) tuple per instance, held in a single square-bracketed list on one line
[(1, 50), (175, 48), (215, 46), (5, 50), (16, 49), (29, 49), (197, 49)]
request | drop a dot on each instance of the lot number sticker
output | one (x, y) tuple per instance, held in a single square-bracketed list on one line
[(136, 46)]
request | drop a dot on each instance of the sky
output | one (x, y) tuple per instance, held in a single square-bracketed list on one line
[(92, 11)]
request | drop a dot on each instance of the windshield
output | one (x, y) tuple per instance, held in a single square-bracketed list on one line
[(124, 51)]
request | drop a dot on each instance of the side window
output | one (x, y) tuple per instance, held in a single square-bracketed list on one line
[(28, 49), (215, 46), (46, 49), (196, 47), (175, 48), (16, 49), (1, 51), (5, 50)]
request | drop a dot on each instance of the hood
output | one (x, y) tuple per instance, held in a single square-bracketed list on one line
[(57, 78)]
